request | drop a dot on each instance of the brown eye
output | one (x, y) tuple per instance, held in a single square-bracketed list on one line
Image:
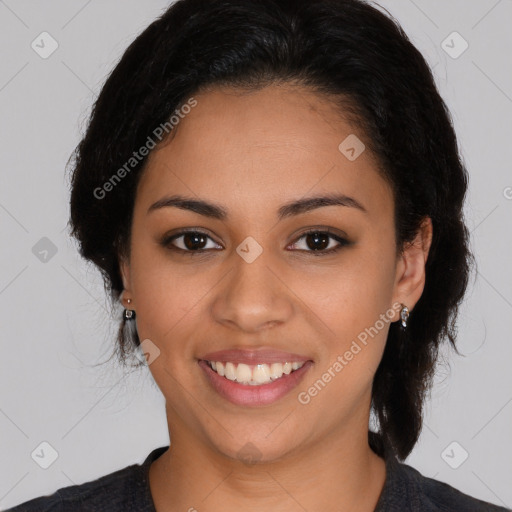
[(193, 241), (189, 241), (317, 241), (321, 242)]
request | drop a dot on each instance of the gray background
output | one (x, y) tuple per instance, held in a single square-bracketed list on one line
[(54, 323)]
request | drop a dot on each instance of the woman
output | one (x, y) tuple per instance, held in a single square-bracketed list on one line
[(273, 191)]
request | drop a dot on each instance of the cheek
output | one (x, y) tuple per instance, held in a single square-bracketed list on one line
[(167, 296), (358, 316), (351, 296), (354, 303)]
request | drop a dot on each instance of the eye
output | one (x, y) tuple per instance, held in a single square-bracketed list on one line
[(318, 242), (322, 242), (192, 241)]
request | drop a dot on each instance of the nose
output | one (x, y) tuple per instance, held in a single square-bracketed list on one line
[(254, 295)]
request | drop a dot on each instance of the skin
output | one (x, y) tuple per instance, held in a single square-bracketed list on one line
[(251, 153)]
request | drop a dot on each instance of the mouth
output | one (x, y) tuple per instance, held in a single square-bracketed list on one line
[(253, 378)]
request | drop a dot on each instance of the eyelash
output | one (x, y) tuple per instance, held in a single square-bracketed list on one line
[(343, 242)]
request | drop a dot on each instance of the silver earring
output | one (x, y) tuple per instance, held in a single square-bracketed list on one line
[(404, 315), (129, 314)]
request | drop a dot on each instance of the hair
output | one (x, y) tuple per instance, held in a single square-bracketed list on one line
[(346, 50)]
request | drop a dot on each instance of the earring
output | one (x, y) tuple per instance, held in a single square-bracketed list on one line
[(129, 314), (404, 315)]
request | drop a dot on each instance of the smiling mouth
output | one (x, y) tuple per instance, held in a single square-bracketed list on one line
[(254, 375)]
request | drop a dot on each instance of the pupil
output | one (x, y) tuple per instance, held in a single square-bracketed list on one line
[(316, 237), (196, 238)]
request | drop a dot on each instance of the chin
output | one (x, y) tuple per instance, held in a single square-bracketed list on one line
[(257, 449)]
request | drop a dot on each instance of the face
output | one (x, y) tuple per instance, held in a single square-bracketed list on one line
[(266, 275)]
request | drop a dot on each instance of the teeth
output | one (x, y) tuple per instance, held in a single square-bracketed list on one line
[(276, 371), (261, 374), (229, 371), (253, 375), (243, 373)]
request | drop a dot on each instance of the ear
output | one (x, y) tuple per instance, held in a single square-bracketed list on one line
[(410, 269)]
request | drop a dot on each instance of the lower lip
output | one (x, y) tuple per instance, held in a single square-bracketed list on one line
[(245, 394)]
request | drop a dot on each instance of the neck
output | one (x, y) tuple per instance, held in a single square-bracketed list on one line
[(339, 472)]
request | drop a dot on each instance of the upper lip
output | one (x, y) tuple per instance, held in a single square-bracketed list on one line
[(253, 357)]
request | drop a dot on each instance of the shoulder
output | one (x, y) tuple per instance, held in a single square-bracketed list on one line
[(446, 497), (423, 494), (114, 489), (122, 490)]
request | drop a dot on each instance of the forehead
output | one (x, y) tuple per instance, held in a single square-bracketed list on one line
[(262, 147)]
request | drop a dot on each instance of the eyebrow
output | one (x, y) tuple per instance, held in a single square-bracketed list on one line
[(290, 209)]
